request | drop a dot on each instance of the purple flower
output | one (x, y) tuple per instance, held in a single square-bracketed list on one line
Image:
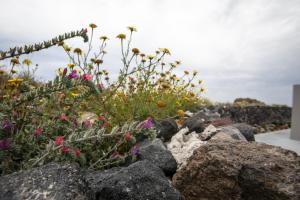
[(65, 71), (87, 124), (148, 123), (4, 143), (73, 74), (6, 125), (134, 150)]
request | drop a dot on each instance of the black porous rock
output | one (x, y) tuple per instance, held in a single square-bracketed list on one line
[(51, 181), (156, 152), (246, 130), (140, 181), (166, 128)]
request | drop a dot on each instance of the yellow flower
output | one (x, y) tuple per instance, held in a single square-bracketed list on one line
[(200, 81), (14, 61), (78, 51), (121, 36), (160, 104), (181, 113), (60, 71), (202, 89), (66, 48), (135, 51), (195, 72), (93, 25), (150, 57), (165, 51), (192, 94), (103, 38), (178, 103), (71, 65), (73, 94), (26, 62), (186, 72), (131, 28), (15, 80)]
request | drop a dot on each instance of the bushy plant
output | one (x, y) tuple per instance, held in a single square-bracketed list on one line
[(83, 115)]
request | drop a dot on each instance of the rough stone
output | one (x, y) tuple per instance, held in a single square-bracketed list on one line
[(166, 128), (141, 180), (51, 181), (156, 152), (246, 130), (236, 169)]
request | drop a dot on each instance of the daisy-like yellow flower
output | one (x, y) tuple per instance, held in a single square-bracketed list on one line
[(103, 38), (93, 25), (160, 104), (150, 57), (200, 81), (78, 51), (131, 28), (181, 113), (165, 51), (135, 51), (71, 65), (121, 36), (26, 62)]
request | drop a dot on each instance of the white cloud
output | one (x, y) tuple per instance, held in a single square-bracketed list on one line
[(241, 48)]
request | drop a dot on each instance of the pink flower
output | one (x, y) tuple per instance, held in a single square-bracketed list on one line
[(37, 132), (63, 117), (101, 118), (86, 77), (77, 151), (127, 136), (85, 30), (147, 123), (87, 124), (59, 140), (134, 150), (65, 149)]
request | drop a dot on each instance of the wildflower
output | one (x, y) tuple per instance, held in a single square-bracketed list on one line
[(192, 85), (192, 94), (121, 36), (6, 125), (14, 61), (195, 72), (66, 48), (77, 151), (150, 57), (178, 62), (84, 30), (134, 150), (131, 28), (65, 149), (86, 77), (37, 132), (2, 72), (186, 72), (63, 117), (160, 103), (71, 65), (87, 124), (135, 51), (157, 52), (93, 25), (127, 136), (59, 140), (202, 89), (148, 123), (64, 72), (98, 61), (4, 144), (73, 74), (142, 55), (101, 118), (15, 80), (78, 51), (73, 94), (165, 51), (13, 71), (181, 113), (26, 62), (103, 38), (200, 81)]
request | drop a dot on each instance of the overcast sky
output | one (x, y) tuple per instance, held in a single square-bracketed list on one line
[(241, 48)]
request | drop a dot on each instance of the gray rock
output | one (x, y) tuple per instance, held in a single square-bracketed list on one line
[(156, 152), (235, 169), (51, 181), (246, 130), (166, 128), (140, 181)]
